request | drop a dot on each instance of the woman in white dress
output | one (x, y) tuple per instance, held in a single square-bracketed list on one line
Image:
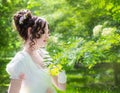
[(27, 70)]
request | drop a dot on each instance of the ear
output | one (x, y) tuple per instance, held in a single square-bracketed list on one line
[(29, 31)]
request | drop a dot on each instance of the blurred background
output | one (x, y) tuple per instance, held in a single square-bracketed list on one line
[(85, 39)]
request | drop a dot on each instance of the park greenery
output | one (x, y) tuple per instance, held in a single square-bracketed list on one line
[(85, 40)]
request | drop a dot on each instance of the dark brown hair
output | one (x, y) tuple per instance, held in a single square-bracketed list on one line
[(24, 19)]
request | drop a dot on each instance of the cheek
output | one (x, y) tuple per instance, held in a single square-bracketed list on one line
[(40, 40)]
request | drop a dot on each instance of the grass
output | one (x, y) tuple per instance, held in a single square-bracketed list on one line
[(76, 83), (88, 91)]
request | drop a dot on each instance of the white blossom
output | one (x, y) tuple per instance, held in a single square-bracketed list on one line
[(106, 31), (96, 30)]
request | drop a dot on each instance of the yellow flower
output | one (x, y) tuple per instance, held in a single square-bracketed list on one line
[(54, 70), (59, 66)]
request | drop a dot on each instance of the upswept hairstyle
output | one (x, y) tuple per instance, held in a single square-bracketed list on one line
[(24, 19)]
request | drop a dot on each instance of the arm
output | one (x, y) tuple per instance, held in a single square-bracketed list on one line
[(60, 80), (61, 86), (15, 86)]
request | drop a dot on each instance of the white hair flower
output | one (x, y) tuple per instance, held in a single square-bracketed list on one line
[(22, 18)]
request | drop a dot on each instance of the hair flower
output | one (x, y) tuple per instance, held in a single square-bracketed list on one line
[(22, 18)]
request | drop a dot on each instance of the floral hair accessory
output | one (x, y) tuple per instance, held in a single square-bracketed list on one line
[(22, 18)]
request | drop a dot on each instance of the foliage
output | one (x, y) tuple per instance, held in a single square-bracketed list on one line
[(93, 49), (83, 32), (68, 25)]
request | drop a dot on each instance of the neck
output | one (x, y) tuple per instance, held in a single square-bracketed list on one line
[(29, 49)]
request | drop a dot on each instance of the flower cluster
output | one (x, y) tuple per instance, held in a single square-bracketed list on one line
[(97, 29), (55, 69)]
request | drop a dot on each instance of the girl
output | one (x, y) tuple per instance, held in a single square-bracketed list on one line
[(27, 70)]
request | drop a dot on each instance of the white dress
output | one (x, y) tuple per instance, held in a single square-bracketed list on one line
[(36, 80)]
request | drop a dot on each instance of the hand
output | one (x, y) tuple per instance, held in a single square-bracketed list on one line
[(62, 77)]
